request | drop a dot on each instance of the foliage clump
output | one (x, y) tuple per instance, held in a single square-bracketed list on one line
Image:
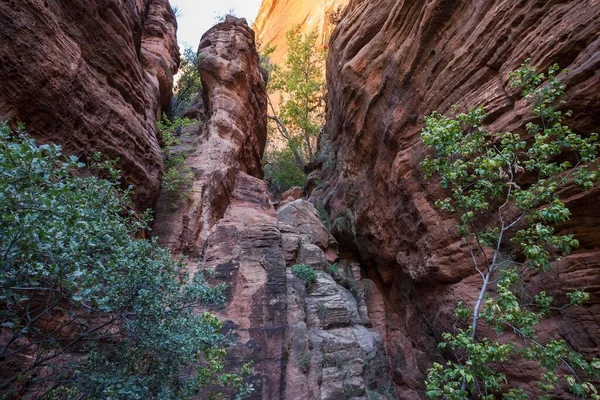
[(304, 362), (281, 171), (305, 272), (87, 311), (177, 177), (505, 188), (188, 84)]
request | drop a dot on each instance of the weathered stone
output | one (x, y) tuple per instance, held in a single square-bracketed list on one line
[(303, 216), (231, 140), (311, 254), (390, 64), (344, 355), (92, 76), (330, 305), (290, 243), (244, 249), (292, 194)]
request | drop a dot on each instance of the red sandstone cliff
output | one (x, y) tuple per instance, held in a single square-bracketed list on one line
[(305, 342), (390, 64), (92, 76)]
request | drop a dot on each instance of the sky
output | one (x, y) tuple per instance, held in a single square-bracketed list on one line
[(196, 16)]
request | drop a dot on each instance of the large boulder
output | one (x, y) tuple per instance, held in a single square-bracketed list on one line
[(304, 218)]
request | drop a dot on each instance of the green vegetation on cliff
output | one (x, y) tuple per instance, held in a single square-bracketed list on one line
[(506, 189), (188, 84), (86, 309), (300, 86)]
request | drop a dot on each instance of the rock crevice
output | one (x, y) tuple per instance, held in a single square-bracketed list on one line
[(305, 343)]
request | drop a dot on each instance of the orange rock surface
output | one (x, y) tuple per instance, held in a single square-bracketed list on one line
[(276, 17)]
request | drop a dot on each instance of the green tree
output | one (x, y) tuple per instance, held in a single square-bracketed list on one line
[(188, 85), (86, 310), (281, 170), (505, 188), (302, 87)]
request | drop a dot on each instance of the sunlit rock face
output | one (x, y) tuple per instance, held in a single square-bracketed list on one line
[(92, 76), (230, 140), (306, 341), (391, 63), (276, 17)]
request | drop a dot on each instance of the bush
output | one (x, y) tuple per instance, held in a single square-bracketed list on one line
[(177, 177), (282, 171), (87, 311), (304, 362), (305, 272)]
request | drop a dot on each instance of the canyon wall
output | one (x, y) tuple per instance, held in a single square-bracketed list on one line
[(92, 76), (276, 17), (390, 64), (306, 340)]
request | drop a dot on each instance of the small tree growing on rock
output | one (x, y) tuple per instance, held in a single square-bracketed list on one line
[(302, 87), (520, 179), (188, 84)]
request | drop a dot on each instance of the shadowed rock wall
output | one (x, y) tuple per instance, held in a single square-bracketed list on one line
[(390, 64), (91, 76)]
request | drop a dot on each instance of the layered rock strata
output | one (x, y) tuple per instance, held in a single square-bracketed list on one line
[(390, 64), (92, 76), (230, 140), (305, 342), (332, 350)]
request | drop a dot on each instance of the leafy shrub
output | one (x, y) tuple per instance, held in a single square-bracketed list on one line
[(345, 224), (282, 171), (301, 86), (87, 311), (323, 215), (177, 177), (170, 129), (321, 310), (334, 268), (305, 272), (304, 362)]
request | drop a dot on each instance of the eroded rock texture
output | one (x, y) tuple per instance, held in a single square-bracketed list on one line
[(225, 221), (312, 342), (332, 350), (91, 76), (393, 62), (229, 141)]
